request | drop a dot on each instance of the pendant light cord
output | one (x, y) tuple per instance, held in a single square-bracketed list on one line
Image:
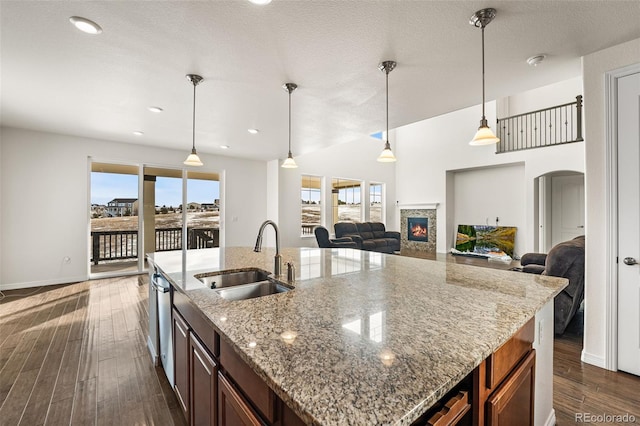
[(482, 28), (289, 122), (387, 134), (194, 116)]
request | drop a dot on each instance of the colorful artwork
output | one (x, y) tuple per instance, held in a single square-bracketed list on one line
[(486, 240)]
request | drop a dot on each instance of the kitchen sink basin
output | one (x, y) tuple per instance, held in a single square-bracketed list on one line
[(250, 291), (232, 279)]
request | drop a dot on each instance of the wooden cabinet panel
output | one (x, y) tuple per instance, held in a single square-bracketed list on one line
[(253, 386), (181, 361), (233, 410), (512, 402), (203, 389), (502, 361)]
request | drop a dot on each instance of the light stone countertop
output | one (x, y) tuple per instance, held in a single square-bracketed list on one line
[(379, 338)]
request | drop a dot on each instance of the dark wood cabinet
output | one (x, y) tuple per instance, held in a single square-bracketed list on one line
[(233, 410), (181, 361), (503, 384), (512, 402), (203, 372)]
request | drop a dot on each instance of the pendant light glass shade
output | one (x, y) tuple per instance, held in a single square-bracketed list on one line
[(386, 156), (193, 159), (289, 163), (484, 135)]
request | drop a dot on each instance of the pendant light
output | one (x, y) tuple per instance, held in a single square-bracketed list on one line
[(289, 163), (484, 135), (386, 156), (193, 159)]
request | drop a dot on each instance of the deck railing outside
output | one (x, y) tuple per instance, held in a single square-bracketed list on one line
[(557, 125), (122, 245)]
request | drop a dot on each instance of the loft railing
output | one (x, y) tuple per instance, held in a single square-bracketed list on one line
[(122, 245), (557, 125)]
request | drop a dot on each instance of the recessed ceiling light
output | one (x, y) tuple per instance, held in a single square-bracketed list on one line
[(155, 109), (85, 25), (224, 146), (535, 60), (260, 2), (138, 133), (253, 131)]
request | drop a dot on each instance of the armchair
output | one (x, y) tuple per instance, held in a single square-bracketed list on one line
[(564, 260), (322, 237)]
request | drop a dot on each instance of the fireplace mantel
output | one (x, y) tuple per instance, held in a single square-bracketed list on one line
[(418, 206)]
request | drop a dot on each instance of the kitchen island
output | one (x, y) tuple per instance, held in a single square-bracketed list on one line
[(364, 337)]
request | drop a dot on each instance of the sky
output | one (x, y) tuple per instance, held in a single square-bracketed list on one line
[(107, 186)]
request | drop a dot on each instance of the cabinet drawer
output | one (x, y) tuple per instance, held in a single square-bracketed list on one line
[(233, 410), (502, 361), (452, 412), (256, 390), (513, 402)]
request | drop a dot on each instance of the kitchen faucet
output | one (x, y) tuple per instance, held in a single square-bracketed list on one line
[(277, 266)]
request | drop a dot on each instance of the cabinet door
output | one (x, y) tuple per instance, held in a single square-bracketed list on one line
[(512, 402), (181, 361), (203, 390), (233, 410)]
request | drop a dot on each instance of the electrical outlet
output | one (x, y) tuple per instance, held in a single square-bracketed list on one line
[(540, 331)]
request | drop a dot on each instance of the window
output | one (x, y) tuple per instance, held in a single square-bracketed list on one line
[(375, 203), (310, 207), (346, 200)]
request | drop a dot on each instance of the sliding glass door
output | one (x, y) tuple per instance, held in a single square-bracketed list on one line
[(114, 211), (137, 210)]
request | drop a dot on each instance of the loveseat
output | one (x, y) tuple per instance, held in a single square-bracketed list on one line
[(370, 236), (564, 260)]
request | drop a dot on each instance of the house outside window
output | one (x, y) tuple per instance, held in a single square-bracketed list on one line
[(346, 199), (311, 203), (376, 207)]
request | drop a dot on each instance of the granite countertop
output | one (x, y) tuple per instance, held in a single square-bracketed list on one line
[(365, 337)]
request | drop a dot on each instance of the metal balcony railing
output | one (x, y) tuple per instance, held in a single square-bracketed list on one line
[(122, 245), (557, 125)]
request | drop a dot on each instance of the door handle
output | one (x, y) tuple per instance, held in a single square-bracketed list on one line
[(630, 261)]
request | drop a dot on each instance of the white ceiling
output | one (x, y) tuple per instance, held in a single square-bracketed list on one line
[(57, 79)]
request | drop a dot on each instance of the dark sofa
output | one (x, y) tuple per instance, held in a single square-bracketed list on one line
[(370, 236), (564, 260), (322, 237)]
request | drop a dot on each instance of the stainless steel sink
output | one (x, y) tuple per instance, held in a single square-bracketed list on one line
[(232, 279), (250, 291)]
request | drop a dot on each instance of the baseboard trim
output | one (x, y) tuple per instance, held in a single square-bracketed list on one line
[(44, 283), (598, 361), (152, 351), (551, 420)]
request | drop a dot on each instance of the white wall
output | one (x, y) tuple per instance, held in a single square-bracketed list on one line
[(428, 149), (597, 280), (353, 160), (45, 198), (481, 195)]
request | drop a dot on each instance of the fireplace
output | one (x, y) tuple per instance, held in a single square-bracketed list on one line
[(418, 229)]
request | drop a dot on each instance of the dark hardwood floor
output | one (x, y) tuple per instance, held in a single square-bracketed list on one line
[(583, 388), (76, 354)]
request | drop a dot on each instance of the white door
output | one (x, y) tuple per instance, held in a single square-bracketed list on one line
[(629, 224), (567, 208)]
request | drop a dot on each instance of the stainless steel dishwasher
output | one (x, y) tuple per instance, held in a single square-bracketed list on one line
[(163, 290)]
